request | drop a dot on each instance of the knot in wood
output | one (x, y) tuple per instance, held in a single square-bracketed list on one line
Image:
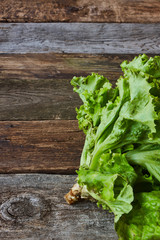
[(24, 207)]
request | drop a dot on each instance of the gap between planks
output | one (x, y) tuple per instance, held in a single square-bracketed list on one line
[(80, 11)]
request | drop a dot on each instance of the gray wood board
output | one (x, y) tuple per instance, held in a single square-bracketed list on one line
[(93, 38), (32, 207)]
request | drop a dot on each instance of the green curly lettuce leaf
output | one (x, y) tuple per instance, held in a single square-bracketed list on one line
[(120, 161), (143, 222), (147, 156), (111, 183)]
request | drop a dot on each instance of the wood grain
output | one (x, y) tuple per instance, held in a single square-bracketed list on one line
[(40, 146), (32, 207), (80, 11), (93, 38), (37, 86)]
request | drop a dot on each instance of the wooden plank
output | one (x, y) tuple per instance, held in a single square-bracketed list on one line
[(80, 11), (93, 38), (32, 207), (40, 146), (37, 86)]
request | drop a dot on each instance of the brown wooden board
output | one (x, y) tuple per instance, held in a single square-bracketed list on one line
[(32, 207), (92, 38), (80, 11), (39, 56), (37, 86), (40, 146)]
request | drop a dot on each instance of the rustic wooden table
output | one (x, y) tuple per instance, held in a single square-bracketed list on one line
[(43, 44)]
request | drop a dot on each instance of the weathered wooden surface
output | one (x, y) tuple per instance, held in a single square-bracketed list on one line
[(90, 38), (32, 207), (80, 11), (40, 146), (37, 86)]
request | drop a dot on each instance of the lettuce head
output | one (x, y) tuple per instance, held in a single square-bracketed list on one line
[(120, 161)]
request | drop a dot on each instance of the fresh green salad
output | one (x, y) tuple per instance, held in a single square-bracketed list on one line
[(120, 161)]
